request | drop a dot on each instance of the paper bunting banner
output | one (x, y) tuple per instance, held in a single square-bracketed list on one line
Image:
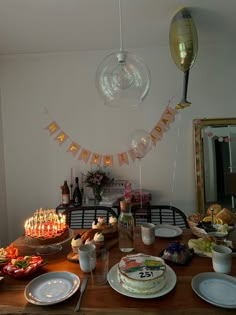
[(84, 155), (61, 137), (108, 160), (52, 128), (96, 159), (123, 158), (74, 148), (132, 154)]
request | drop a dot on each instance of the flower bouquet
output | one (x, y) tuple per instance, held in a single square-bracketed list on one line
[(96, 180)]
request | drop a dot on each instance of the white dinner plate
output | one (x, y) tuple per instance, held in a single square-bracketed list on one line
[(112, 278), (167, 230), (52, 288), (216, 288)]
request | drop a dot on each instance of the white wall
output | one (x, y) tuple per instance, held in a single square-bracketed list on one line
[(35, 165), (3, 221)]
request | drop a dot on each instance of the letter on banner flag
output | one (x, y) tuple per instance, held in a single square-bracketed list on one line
[(61, 137), (164, 121), (52, 128), (155, 137), (123, 158), (108, 160), (132, 154), (171, 112), (84, 155), (74, 148), (96, 159), (159, 130)]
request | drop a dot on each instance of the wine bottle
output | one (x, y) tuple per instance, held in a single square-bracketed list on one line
[(77, 196), (65, 192)]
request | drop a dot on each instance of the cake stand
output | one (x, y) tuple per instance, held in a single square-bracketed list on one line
[(50, 248)]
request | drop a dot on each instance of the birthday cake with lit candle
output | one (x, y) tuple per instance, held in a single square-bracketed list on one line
[(46, 227)]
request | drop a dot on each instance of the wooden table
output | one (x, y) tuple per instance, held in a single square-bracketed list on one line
[(103, 299)]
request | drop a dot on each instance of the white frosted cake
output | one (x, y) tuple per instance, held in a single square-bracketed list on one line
[(142, 274)]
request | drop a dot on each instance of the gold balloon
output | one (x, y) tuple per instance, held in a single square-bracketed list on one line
[(183, 42)]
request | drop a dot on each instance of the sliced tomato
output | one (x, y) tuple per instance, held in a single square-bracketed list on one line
[(12, 251), (29, 263)]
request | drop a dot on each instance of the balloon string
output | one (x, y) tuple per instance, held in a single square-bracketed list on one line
[(140, 183), (174, 165)]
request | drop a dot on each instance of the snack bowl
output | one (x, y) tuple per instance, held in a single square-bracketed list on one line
[(23, 266), (218, 234)]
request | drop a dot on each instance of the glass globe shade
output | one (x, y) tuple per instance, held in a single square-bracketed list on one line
[(122, 79)]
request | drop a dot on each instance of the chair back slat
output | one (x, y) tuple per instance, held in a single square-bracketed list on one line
[(82, 217), (160, 214)]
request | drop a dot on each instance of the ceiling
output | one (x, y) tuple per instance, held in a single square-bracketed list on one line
[(33, 26)]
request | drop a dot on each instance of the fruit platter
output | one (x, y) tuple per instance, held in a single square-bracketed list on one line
[(18, 266), (203, 246)]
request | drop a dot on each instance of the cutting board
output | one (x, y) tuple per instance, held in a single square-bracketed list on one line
[(108, 245)]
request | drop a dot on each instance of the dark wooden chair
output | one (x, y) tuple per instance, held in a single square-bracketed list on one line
[(82, 217), (159, 214)]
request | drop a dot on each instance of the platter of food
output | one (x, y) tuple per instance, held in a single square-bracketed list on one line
[(7, 253), (23, 266), (217, 221)]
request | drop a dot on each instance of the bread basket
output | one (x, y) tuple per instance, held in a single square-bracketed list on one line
[(193, 222)]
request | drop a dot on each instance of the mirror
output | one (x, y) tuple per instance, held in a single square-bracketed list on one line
[(215, 162)]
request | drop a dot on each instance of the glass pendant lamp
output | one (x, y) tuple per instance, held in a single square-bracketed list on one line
[(122, 78)]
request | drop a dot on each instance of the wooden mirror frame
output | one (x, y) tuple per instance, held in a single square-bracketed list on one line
[(198, 125)]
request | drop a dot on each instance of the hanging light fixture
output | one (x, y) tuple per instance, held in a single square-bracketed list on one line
[(122, 78)]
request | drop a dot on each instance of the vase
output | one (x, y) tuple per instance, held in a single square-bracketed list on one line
[(97, 195)]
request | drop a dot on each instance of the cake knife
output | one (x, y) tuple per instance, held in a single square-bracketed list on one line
[(82, 289)]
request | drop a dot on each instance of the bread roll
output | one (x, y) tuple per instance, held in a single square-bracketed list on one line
[(217, 208), (89, 234), (227, 216), (195, 218), (109, 233)]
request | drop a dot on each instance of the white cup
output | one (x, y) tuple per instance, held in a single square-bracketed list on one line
[(148, 233), (87, 257), (221, 259)]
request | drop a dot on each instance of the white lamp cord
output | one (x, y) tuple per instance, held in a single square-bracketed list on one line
[(120, 15)]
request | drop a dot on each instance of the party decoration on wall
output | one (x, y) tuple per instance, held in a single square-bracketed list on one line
[(141, 142), (96, 159), (183, 41), (61, 137), (52, 128), (74, 148)]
